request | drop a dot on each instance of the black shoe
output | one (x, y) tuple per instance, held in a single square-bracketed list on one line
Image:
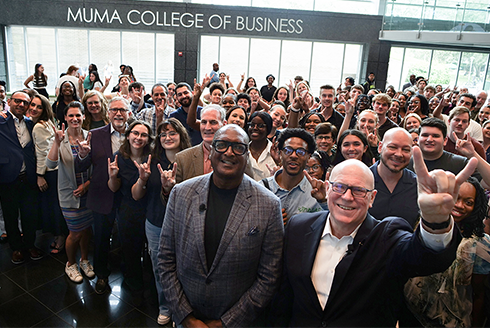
[(35, 254), (17, 257), (102, 285)]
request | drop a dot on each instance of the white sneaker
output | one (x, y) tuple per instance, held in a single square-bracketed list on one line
[(87, 268), (163, 319), (73, 273)]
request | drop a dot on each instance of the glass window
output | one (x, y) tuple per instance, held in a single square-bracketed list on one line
[(18, 71), (233, 58), (165, 59), (73, 42), (352, 61), (264, 55), (395, 69), (138, 51), (444, 67), (295, 60), (326, 66), (364, 7), (417, 61), (105, 52), (42, 49), (209, 54), (472, 71)]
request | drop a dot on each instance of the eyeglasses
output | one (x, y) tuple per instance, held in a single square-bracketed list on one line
[(300, 151), (320, 137), (169, 134), (314, 168), (340, 188), (115, 110), (137, 134), (20, 101), (256, 125), (238, 148)]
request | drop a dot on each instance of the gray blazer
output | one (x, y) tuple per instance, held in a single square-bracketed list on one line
[(190, 164), (246, 270), (67, 181)]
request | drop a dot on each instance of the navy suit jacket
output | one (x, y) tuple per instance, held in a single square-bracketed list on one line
[(100, 198), (367, 288), (12, 154)]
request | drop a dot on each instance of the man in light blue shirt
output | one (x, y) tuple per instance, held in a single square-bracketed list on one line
[(214, 75), (290, 183)]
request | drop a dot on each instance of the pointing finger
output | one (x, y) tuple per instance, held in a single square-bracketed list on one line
[(419, 164), (468, 170)]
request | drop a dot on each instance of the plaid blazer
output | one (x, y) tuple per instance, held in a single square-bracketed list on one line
[(246, 270)]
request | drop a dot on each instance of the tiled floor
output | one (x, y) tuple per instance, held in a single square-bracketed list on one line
[(39, 294)]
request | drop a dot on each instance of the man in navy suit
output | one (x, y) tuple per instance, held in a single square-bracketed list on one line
[(18, 187), (345, 268), (100, 145)]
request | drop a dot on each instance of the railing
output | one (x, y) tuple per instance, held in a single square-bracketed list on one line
[(437, 15)]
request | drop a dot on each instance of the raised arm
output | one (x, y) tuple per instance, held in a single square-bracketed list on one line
[(192, 120)]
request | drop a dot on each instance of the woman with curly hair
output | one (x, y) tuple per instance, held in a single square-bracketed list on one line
[(455, 297)]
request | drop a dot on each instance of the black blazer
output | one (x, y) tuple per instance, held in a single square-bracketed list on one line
[(12, 155), (367, 289)]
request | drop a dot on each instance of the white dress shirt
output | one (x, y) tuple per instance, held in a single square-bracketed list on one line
[(23, 136), (332, 250)]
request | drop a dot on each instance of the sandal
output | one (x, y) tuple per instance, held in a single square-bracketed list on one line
[(58, 248)]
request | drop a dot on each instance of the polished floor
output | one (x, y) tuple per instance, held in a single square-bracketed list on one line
[(39, 294)]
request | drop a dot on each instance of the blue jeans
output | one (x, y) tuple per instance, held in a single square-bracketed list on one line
[(153, 237)]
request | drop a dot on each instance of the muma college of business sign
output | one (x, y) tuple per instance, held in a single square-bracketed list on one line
[(190, 20)]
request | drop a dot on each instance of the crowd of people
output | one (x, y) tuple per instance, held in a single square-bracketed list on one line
[(270, 206)]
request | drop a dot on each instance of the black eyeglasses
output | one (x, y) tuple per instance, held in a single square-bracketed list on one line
[(20, 101), (256, 125), (300, 151), (341, 189), (238, 148), (313, 168), (115, 110)]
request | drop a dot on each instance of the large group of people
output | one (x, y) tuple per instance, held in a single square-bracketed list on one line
[(271, 206)]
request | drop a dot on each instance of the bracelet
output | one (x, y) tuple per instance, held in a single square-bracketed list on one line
[(296, 110), (437, 226)]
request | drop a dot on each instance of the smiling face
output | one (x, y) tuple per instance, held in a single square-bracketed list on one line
[(278, 117), (35, 109), (210, 123), (93, 105), (367, 120), (216, 96), (380, 107), (118, 119), (67, 89), (250, 82), (257, 130), (19, 104), (327, 97), (74, 118), (414, 105), (138, 137), (484, 114), (282, 95), (302, 88), (237, 117), (431, 142), (412, 123), (124, 82), (395, 150), (228, 168), (228, 102), (486, 131), (159, 96), (314, 168), (311, 123), (184, 96), (243, 102), (294, 164), (434, 101), (254, 95), (324, 142), (353, 148), (169, 138), (465, 202), (347, 211)]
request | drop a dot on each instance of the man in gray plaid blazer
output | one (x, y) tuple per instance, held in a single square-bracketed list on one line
[(221, 242)]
